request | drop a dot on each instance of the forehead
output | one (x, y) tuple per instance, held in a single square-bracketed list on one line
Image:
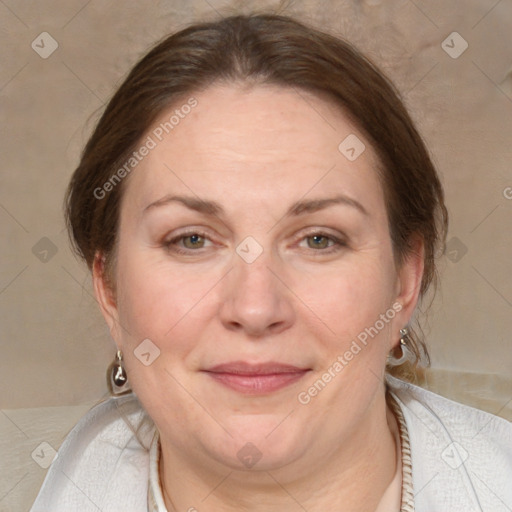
[(264, 142)]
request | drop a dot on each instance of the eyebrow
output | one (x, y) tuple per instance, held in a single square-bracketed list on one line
[(300, 207)]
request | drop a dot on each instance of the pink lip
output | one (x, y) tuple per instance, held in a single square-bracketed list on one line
[(256, 378)]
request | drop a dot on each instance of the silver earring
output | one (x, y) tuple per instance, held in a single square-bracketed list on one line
[(117, 379), (406, 355)]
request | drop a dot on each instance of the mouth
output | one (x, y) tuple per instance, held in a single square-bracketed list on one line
[(256, 379)]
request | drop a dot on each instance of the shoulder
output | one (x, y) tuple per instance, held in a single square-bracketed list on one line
[(103, 463), (461, 456), (462, 418)]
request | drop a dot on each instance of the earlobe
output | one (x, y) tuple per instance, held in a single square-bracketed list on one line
[(104, 294), (410, 277)]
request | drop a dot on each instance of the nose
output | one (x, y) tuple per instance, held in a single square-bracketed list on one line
[(256, 300)]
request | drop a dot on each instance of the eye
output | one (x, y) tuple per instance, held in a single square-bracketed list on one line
[(192, 241), (323, 242), (196, 241), (318, 241)]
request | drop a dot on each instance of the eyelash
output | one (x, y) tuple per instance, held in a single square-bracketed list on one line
[(337, 245)]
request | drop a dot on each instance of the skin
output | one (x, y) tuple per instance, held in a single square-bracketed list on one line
[(256, 151)]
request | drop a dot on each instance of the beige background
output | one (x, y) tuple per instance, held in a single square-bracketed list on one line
[(54, 345)]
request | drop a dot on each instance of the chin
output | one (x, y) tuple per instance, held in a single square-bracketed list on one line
[(258, 444)]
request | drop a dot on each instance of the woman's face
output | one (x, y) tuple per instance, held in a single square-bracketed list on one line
[(248, 238)]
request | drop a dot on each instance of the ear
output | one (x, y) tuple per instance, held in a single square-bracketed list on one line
[(105, 296), (408, 282)]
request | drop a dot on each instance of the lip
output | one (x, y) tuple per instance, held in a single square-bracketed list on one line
[(246, 368), (254, 379)]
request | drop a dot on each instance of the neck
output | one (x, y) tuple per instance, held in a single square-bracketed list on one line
[(352, 477)]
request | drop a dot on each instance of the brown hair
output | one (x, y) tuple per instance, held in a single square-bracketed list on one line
[(271, 49)]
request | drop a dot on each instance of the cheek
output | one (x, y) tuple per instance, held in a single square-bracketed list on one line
[(166, 308), (353, 296), (154, 302)]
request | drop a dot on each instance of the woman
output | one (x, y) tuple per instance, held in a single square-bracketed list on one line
[(261, 219)]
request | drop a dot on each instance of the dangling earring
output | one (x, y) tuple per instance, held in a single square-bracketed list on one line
[(117, 379), (405, 351)]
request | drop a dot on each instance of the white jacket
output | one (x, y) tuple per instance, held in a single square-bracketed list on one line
[(461, 457)]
